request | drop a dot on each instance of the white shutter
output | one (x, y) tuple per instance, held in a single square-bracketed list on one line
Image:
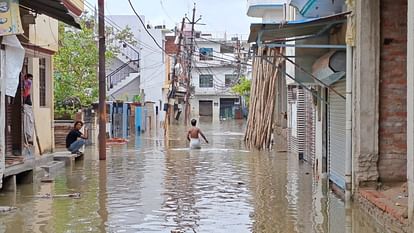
[(301, 121), (336, 140)]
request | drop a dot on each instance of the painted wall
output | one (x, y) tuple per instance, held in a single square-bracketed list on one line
[(44, 33), (128, 92), (43, 115), (218, 81), (194, 104)]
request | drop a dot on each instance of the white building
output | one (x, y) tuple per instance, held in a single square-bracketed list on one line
[(215, 71), (151, 73)]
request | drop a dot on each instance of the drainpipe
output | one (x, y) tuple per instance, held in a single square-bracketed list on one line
[(348, 149)]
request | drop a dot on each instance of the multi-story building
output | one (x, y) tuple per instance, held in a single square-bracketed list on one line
[(217, 66), (147, 79)]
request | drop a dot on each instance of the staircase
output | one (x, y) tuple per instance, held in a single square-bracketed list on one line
[(122, 76), (119, 84)]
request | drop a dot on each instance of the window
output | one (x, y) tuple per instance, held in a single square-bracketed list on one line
[(42, 82), (230, 80), (206, 54), (206, 80)]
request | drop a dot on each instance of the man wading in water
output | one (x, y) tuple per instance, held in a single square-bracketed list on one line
[(193, 137)]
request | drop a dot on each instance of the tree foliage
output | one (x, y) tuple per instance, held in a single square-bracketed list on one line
[(242, 88), (76, 64)]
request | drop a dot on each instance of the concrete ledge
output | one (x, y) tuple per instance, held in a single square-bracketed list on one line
[(373, 205), (66, 157), (43, 159), (28, 165), (53, 166)]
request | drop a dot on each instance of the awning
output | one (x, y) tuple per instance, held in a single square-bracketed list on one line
[(260, 32), (333, 78), (52, 8)]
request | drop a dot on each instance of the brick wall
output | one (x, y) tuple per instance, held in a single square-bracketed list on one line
[(170, 46), (393, 95)]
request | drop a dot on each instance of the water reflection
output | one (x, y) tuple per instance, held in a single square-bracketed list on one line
[(155, 184)]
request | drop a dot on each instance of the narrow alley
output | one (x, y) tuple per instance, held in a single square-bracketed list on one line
[(157, 185)]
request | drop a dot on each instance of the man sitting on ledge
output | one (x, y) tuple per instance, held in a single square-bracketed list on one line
[(75, 139)]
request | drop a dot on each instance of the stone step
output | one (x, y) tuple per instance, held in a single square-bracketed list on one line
[(67, 157), (53, 167)]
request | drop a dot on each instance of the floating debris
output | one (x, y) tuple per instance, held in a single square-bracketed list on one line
[(48, 195), (5, 209), (116, 141)]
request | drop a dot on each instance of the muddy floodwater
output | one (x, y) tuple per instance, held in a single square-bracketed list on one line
[(154, 184)]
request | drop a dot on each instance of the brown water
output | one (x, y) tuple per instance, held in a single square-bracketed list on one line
[(157, 185)]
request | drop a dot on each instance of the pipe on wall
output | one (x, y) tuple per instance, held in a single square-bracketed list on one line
[(348, 129)]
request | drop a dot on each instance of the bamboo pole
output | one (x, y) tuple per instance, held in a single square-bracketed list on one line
[(260, 123)]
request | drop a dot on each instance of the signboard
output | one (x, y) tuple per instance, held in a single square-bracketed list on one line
[(10, 23)]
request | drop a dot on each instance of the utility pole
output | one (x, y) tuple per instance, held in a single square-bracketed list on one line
[(190, 59), (102, 86), (238, 51), (170, 110)]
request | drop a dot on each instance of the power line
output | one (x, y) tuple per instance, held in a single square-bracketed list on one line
[(143, 24), (114, 25)]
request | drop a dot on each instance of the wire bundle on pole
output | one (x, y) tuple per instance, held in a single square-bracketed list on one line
[(263, 98)]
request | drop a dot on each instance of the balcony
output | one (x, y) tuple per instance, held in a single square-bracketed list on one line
[(271, 11)]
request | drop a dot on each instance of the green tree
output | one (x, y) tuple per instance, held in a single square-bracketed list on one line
[(242, 88), (76, 64)]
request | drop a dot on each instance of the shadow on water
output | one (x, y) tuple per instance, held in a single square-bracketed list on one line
[(156, 184)]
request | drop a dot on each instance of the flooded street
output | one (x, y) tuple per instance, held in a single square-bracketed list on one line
[(157, 185)]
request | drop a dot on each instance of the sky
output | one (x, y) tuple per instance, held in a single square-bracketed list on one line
[(219, 15)]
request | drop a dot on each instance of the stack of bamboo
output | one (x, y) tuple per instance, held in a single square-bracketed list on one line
[(266, 71)]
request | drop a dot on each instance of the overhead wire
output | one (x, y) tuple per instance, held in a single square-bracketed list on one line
[(114, 25), (148, 32)]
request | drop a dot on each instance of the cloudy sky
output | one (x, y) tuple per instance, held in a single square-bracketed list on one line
[(219, 15)]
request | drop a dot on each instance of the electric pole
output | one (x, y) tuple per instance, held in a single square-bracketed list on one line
[(102, 86), (170, 109), (190, 59)]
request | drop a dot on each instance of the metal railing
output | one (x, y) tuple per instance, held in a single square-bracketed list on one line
[(129, 55), (119, 74)]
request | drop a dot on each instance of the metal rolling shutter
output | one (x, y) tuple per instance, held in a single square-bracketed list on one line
[(336, 139), (292, 142), (301, 121), (206, 108), (8, 133)]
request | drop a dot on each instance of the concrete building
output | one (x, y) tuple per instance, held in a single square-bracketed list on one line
[(150, 75), (215, 71), (40, 41)]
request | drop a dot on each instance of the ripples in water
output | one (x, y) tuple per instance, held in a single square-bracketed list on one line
[(157, 185)]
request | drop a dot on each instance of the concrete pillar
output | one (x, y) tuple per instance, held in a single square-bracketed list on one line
[(366, 92), (26, 177), (10, 184), (410, 111)]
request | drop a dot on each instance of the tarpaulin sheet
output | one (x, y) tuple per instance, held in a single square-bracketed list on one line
[(13, 63)]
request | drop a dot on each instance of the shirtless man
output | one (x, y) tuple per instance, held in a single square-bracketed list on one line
[(193, 137)]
